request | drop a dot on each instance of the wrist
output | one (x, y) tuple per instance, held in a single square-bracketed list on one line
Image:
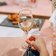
[(44, 52)]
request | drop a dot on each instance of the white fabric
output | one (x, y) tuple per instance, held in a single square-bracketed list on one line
[(15, 32), (2, 18), (33, 32), (53, 18), (11, 32)]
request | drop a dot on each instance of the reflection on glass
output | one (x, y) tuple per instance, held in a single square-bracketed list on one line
[(26, 25)]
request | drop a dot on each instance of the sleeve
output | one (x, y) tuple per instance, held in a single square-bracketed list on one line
[(53, 18)]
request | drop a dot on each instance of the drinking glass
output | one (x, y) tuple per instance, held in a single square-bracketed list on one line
[(26, 28), (26, 25)]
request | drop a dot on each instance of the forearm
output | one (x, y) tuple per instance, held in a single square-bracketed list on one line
[(44, 52)]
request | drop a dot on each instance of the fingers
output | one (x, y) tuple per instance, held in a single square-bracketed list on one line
[(29, 42), (32, 38), (33, 44)]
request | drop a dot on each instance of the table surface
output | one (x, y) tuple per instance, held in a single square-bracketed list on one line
[(43, 8)]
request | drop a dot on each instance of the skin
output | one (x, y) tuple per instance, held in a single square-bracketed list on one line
[(39, 44)]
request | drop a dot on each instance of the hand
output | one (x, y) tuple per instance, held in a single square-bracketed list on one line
[(38, 44)]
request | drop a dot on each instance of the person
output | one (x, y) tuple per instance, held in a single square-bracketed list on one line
[(39, 43), (53, 18)]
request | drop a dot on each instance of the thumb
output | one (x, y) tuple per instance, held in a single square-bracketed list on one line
[(29, 42)]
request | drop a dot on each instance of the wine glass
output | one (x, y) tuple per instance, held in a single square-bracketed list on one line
[(26, 25), (25, 15), (25, 28)]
